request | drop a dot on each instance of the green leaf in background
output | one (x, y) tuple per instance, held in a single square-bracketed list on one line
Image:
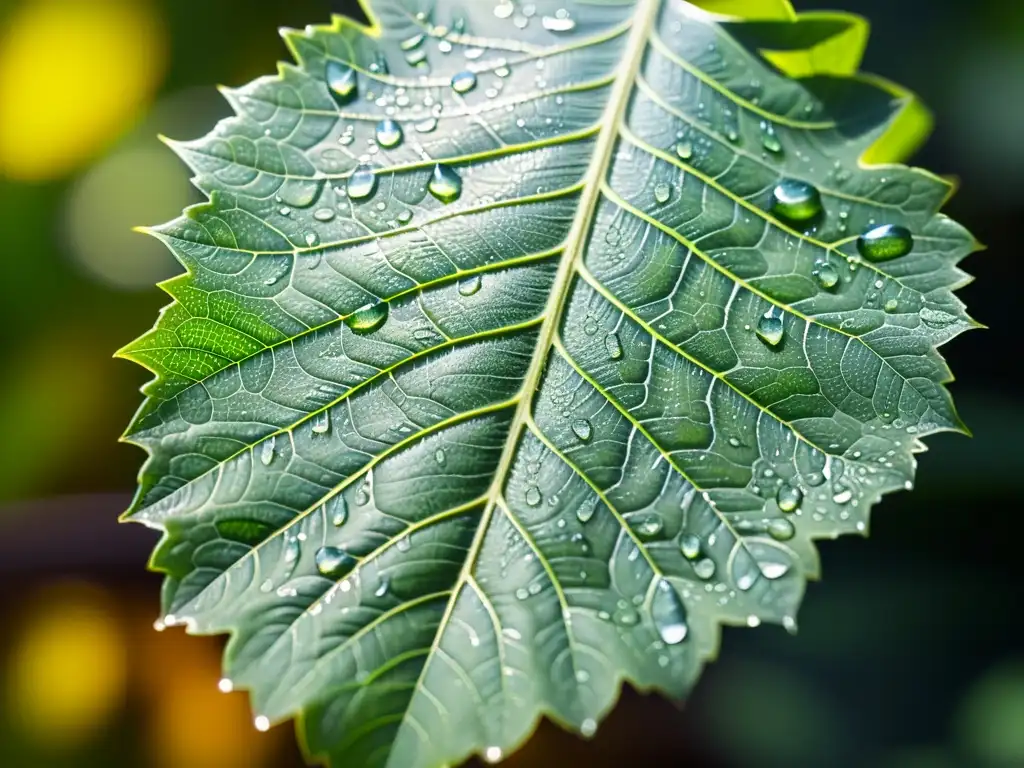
[(518, 353)]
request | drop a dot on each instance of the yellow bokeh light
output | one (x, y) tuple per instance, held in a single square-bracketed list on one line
[(67, 673), (73, 77)]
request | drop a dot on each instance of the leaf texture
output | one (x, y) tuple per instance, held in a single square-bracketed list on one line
[(500, 375)]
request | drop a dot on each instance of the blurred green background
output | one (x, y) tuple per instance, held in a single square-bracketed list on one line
[(910, 656)]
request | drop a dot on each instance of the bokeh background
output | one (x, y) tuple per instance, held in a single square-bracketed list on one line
[(909, 656)]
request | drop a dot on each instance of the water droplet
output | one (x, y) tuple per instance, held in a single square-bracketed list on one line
[(796, 200), (267, 451), (440, 457), (586, 511), (560, 22), (333, 562), (413, 42), (582, 429), (324, 214), (781, 529), (705, 568), (225, 685), (470, 286), (322, 423), (662, 192), (842, 495), (533, 496), (669, 614), (404, 544), (650, 527), (788, 498), (768, 138), (589, 726), (341, 79), (889, 241), (522, 593), (463, 82), (689, 545), (493, 754), (774, 570), (627, 617), (504, 9), (684, 149), (389, 133), (891, 305), (368, 319), (426, 125), (826, 274), (613, 345), (383, 588), (770, 329), (745, 581), (340, 511), (362, 183), (445, 184), (262, 723)]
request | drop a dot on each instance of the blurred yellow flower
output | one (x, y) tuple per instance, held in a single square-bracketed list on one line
[(73, 76)]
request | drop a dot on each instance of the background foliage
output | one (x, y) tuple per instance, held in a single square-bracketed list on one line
[(907, 657)]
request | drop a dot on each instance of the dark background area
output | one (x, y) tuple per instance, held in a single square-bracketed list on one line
[(909, 655)]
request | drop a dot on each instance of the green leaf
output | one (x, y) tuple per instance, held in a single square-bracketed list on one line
[(497, 377)]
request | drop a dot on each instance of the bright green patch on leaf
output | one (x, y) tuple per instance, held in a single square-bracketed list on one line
[(518, 354)]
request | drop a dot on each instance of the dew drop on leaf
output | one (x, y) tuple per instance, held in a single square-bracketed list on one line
[(613, 346), (440, 457), (561, 22), (796, 200), (650, 527), (334, 562), (322, 423), (770, 329), (389, 133), (769, 140), (705, 568), (781, 529), (662, 193), (826, 275), (362, 183), (470, 286), (445, 184), (789, 498), (582, 429), (267, 451), (689, 545), (684, 149), (368, 319), (463, 82), (889, 241), (669, 614), (341, 79), (533, 496)]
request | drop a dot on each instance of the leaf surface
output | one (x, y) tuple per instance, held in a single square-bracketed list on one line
[(508, 365)]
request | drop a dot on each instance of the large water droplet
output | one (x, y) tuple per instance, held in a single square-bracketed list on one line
[(463, 82), (533, 496), (669, 614), (684, 149), (322, 423), (650, 527), (613, 346), (662, 193), (889, 241), (788, 498), (445, 184), (339, 510), (826, 275), (368, 319), (470, 286), (770, 329), (582, 429), (689, 545), (362, 183), (796, 200), (341, 79), (389, 133), (774, 570), (705, 568), (334, 562), (267, 451)]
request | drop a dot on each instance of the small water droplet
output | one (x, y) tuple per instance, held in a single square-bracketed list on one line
[(440, 457), (368, 319), (745, 581), (404, 544), (684, 149), (662, 192), (362, 183), (342, 81), (582, 429), (225, 685), (589, 726), (470, 286), (334, 562), (262, 724), (650, 527), (889, 241), (774, 570), (463, 82), (689, 545), (340, 511), (322, 423), (427, 125), (705, 569), (669, 614), (627, 617), (389, 133), (842, 495), (533, 496), (362, 496), (796, 200), (267, 450), (781, 529), (561, 22), (613, 346), (383, 588), (769, 140), (413, 42), (788, 498), (493, 754), (586, 511), (826, 275), (770, 329), (324, 214), (445, 184)]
